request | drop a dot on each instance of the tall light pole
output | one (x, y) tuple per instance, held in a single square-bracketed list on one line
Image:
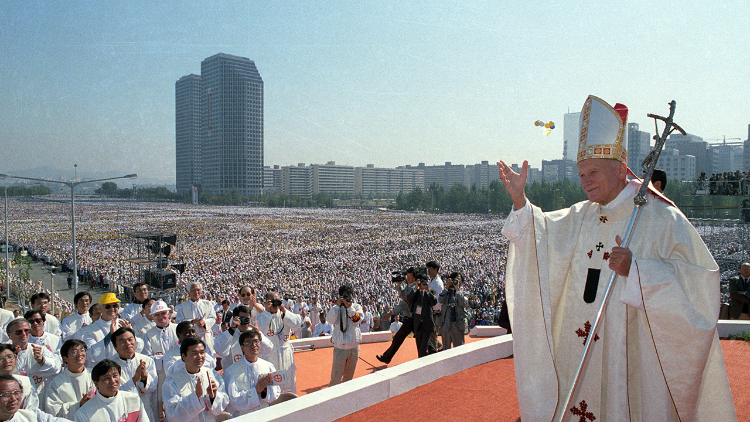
[(7, 279), (72, 185)]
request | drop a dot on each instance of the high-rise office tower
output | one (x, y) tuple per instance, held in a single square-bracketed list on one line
[(571, 135), (187, 132), (231, 125), (229, 121), (639, 146)]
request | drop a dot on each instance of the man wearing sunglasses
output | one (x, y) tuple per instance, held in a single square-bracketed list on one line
[(95, 335), (42, 301), (248, 298), (38, 336), (36, 362)]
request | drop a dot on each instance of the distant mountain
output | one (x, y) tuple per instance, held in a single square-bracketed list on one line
[(67, 175)]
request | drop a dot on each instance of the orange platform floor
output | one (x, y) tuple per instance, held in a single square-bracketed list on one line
[(483, 393)]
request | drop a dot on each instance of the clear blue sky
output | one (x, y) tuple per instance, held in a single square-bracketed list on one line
[(387, 83)]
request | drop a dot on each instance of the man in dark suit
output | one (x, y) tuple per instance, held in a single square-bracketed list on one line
[(739, 295), (421, 300)]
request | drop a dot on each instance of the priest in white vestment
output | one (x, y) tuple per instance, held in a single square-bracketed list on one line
[(195, 393), (277, 324), (656, 356), (200, 312), (78, 319), (35, 362), (109, 403), (30, 399), (73, 387)]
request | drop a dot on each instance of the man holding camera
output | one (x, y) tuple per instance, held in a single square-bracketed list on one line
[(421, 301), (346, 318), (277, 323), (452, 317), (403, 290)]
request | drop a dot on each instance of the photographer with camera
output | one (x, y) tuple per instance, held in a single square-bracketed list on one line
[(227, 344), (421, 302), (406, 281), (452, 317), (346, 318), (277, 323)]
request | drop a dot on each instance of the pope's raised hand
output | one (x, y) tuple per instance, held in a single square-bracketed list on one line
[(514, 183)]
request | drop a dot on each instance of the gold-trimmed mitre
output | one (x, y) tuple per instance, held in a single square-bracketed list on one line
[(602, 131)]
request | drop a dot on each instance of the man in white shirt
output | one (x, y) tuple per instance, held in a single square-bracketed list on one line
[(436, 286), (143, 321), (140, 291), (73, 387), (157, 341), (10, 404), (228, 347), (93, 335), (323, 328), (299, 306), (200, 312), (172, 360), (34, 361), (138, 371), (395, 325), (347, 317), (250, 382), (78, 319), (36, 318), (314, 310), (366, 324), (41, 301), (248, 298), (8, 358), (195, 393), (277, 324), (109, 403)]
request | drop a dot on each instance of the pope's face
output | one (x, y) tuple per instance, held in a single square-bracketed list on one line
[(602, 179)]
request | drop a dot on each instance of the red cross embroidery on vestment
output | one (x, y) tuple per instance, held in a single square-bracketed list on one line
[(590, 253), (606, 256), (585, 332), (584, 415)]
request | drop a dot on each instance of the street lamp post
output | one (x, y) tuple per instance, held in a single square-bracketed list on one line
[(7, 279), (72, 185)]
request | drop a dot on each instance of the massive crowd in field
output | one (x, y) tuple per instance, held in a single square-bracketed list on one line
[(300, 252)]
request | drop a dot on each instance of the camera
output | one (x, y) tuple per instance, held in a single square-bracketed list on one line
[(347, 297), (244, 321), (276, 302), (398, 276)]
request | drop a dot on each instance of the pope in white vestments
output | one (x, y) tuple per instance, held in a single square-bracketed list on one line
[(656, 356)]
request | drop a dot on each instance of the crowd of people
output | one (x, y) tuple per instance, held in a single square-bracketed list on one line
[(300, 252), (727, 183)]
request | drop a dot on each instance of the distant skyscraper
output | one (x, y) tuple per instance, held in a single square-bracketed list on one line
[(229, 155), (231, 125), (571, 135), (639, 145), (187, 132)]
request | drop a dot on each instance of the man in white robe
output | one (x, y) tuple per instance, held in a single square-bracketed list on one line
[(41, 301), (656, 355), (195, 393), (249, 382), (35, 362), (109, 403), (200, 312), (78, 319), (94, 335), (140, 292), (157, 341), (227, 345), (8, 358), (138, 371), (38, 336), (172, 360), (277, 324), (73, 387), (11, 409)]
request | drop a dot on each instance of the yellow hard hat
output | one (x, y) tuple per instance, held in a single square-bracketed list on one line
[(108, 298)]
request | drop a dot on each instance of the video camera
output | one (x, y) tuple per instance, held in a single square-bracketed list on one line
[(420, 273)]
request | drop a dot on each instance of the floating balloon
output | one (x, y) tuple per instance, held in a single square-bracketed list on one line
[(546, 127)]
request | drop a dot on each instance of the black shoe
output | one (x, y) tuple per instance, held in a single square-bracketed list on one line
[(382, 359)]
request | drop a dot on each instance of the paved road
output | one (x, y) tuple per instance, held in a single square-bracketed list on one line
[(42, 272)]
